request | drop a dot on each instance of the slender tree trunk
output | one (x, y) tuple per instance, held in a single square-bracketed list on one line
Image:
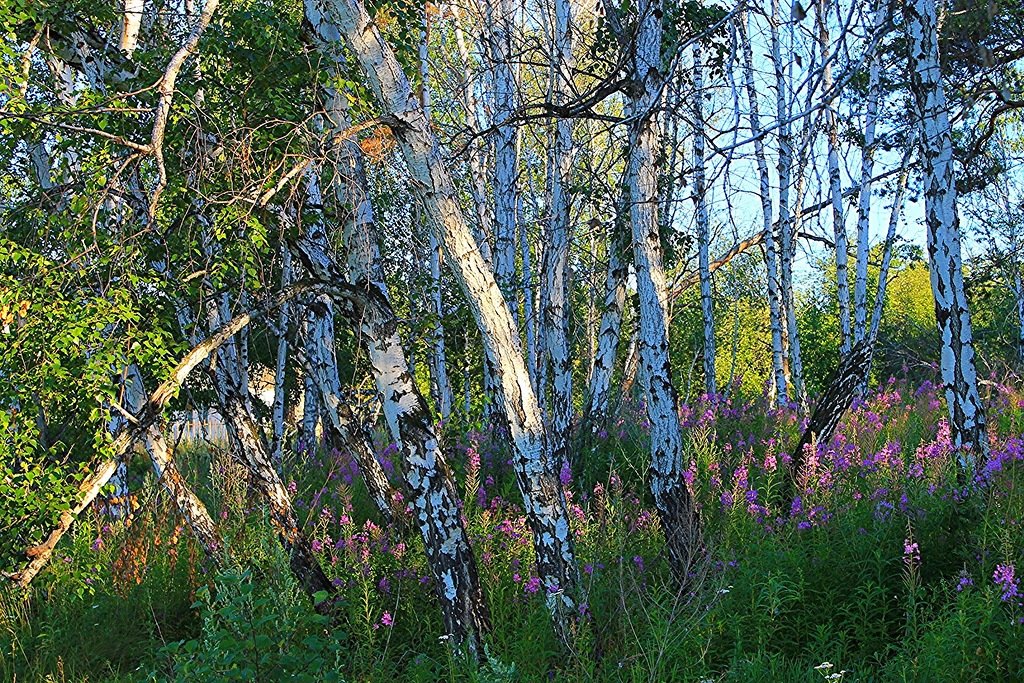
[(537, 478), (867, 170), (438, 354), (277, 450), (598, 394), (703, 223), (785, 170), (835, 186), (771, 252), (671, 496), (506, 146), (959, 376), (890, 240)]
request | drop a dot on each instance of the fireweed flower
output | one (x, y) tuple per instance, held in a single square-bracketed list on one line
[(532, 585), (911, 552), (1005, 577)]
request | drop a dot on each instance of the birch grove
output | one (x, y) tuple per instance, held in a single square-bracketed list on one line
[(473, 307)]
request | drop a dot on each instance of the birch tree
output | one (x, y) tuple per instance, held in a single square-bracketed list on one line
[(959, 376), (535, 472)]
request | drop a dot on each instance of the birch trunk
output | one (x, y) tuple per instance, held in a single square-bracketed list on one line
[(703, 223), (835, 186), (959, 376), (320, 359), (890, 240), (610, 331), (191, 508), (867, 170), (277, 450), (671, 496), (426, 471), (556, 253), (771, 252), (506, 147), (252, 454), (785, 171), (477, 155), (538, 481), (424, 466), (438, 355)]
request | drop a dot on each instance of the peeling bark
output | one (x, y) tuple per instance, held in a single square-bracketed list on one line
[(959, 376), (543, 500)]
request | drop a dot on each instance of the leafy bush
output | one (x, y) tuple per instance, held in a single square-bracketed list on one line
[(250, 633)]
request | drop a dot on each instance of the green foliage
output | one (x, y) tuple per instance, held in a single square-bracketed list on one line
[(251, 632)]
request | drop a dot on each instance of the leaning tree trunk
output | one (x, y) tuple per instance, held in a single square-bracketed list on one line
[(424, 467), (959, 376), (191, 508), (672, 498), (426, 471), (536, 476)]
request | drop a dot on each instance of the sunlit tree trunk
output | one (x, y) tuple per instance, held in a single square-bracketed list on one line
[(281, 364), (538, 481), (671, 496), (556, 252), (959, 376), (191, 508), (610, 331), (835, 188), (438, 353), (501, 19), (771, 252), (867, 170), (783, 76), (887, 248)]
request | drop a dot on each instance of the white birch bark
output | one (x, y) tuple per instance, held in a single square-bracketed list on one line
[(438, 355), (501, 18), (703, 222), (556, 253), (867, 170), (189, 505), (609, 333), (783, 75), (771, 252), (281, 364), (675, 506), (475, 116), (890, 240), (959, 376), (835, 188), (538, 481), (132, 26)]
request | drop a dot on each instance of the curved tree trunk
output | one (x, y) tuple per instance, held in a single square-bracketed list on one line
[(538, 481)]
